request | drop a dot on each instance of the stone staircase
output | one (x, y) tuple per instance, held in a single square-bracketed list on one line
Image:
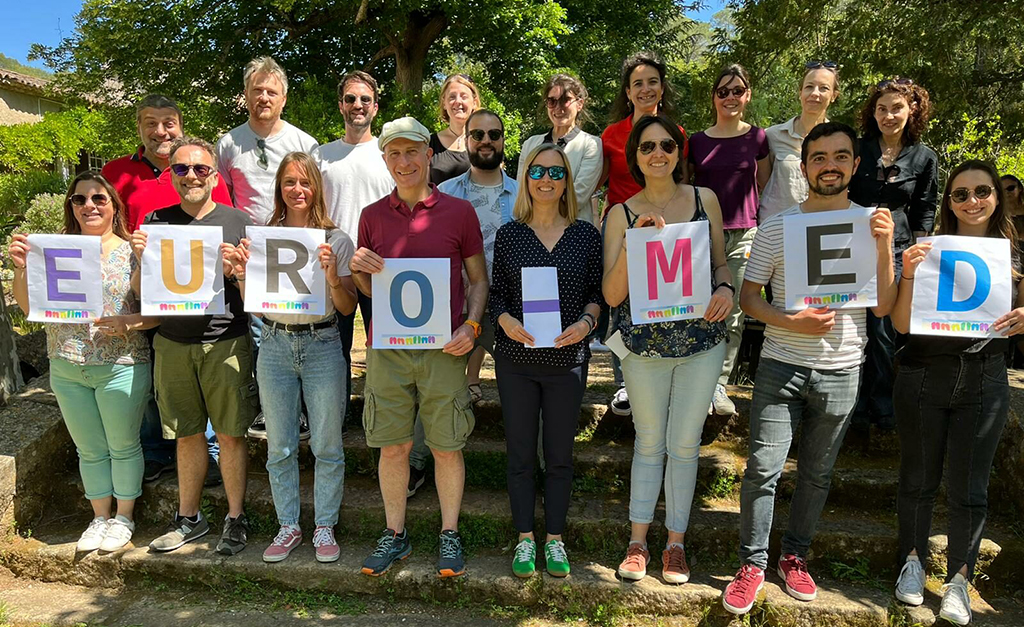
[(852, 559)]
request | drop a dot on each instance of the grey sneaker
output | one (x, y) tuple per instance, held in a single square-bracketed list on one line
[(234, 536), (956, 602), (180, 531), (910, 585), (721, 403)]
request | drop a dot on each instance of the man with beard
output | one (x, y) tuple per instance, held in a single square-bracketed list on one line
[(808, 376), (203, 364)]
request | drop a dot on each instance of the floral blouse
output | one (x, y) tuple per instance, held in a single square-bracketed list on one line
[(85, 345)]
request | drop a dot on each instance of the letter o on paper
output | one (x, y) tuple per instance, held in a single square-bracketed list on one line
[(426, 299)]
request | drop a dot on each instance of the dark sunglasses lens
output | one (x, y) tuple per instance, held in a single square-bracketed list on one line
[(647, 147), (536, 172), (556, 172), (180, 169), (476, 135), (202, 171), (1011, 188), (495, 134), (668, 146), (100, 200), (78, 200), (959, 194), (982, 192)]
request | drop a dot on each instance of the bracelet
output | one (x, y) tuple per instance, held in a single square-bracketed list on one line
[(726, 285), (20, 267), (334, 287), (906, 278), (589, 319)]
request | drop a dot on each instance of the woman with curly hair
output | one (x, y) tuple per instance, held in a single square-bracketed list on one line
[(900, 173)]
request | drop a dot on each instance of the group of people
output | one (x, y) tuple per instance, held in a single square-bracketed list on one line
[(416, 194)]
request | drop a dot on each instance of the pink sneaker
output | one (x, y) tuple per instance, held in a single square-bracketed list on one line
[(742, 591), (634, 567), (799, 585), (288, 537), (327, 549)]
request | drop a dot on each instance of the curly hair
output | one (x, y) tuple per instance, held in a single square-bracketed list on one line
[(622, 106), (915, 95)]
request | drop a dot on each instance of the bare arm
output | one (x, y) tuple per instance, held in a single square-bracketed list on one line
[(18, 251), (615, 285), (882, 228), (807, 321), (912, 258), (464, 338), (764, 172)]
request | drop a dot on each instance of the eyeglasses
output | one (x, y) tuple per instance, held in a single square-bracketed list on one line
[(494, 134), (263, 161), (815, 64), (723, 92), (894, 81), (961, 194), (351, 99), (560, 103), (100, 200), (668, 146), (202, 170), (556, 172)]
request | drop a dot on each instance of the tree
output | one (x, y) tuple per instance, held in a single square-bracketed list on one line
[(8, 63)]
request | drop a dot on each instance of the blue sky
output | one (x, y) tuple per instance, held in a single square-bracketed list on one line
[(41, 21)]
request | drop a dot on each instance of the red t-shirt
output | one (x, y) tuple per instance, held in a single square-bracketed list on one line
[(621, 186), (437, 227), (143, 188)]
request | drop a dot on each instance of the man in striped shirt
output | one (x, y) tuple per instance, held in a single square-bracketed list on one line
[(808, 376)]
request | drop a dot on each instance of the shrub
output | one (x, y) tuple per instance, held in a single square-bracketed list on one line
[(19, 188), (45, 214)]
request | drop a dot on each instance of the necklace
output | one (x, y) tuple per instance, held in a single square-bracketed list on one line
[(661, 208)]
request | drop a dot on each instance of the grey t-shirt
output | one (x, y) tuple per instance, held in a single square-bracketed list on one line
[(343, 249)]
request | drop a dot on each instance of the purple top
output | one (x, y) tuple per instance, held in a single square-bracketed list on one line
[(729, 168)]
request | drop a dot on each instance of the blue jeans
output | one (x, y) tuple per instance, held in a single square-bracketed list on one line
[(294, 366), (670, 399), (820, 403)]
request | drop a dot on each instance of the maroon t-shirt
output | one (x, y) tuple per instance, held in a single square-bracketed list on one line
[(728, 166), (437, 227)]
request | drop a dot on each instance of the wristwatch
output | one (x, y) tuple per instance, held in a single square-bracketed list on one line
[(475, 326)]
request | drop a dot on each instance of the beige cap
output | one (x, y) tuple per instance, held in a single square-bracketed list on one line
[(405, 128)]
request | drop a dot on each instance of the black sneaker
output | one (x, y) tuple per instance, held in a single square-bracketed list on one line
[(391, 547), (234, 535), (303, 428), (258, 428), (416, 479), (154, 470), (450, 564), (213, 477)]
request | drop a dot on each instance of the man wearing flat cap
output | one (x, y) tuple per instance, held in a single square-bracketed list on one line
[(417, 221)]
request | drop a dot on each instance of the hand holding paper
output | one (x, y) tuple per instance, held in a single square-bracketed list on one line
[(542, 317)]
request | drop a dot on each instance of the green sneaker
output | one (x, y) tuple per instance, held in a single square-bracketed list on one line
[(558, 561), (524, 562)]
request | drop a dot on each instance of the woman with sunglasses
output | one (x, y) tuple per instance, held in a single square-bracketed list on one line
[(670, 368), (301, 359), (952, 401), (100, 372), (1013, 192), (544, 233), (731, 159), (564, 98), (896, 171), (787, 186), (459, 99)]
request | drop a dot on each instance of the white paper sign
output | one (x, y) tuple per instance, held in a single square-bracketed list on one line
[(831, 260), (542, 315), (284, 274), (669, 272), (181, 271), (64, 278), (412, 306), (962, 287)]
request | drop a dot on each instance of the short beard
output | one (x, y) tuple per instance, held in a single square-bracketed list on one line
[(486, 163), (358, 125), (829, 190)]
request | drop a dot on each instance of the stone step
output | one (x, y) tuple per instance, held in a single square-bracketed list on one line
[(592, 590)]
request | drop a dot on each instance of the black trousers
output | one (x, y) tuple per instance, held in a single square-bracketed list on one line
[(346, 329), (525, 391), (951, 409)]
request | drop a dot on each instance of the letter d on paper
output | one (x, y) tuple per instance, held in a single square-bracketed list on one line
[(53, 275), (947, 279), (657, 260), (195, 263), (275, 268), (426, 296)]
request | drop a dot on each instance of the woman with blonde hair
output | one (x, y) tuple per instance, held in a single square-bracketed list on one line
[(541, 374), (459, 99)]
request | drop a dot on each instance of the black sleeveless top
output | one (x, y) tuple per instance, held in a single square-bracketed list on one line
[(446, 164)]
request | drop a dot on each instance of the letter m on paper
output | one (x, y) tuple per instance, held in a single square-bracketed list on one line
[(657, 261)]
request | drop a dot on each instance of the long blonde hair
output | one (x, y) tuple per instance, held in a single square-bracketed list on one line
[(318, 218), (522, 211)]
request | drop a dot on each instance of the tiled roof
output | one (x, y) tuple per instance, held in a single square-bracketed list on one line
[(22, 82)]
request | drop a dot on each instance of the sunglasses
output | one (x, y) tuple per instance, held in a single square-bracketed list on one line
[(559, 103), (202, 171), (668, 146), (894, 81), (494, 134), (961, 194), (815, 64), (1012, 187), (351, 99), (263, 161), (100, 200), (556, 172), (723, 92)]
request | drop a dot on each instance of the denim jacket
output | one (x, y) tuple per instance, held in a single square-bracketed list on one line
[(457, 187)]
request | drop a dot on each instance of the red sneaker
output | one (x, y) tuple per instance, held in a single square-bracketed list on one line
[(742, 591), (799, 585), (634, 567)]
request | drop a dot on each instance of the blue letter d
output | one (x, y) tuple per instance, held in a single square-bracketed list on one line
[(947, 279)]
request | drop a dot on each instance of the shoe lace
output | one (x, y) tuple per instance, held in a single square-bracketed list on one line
[(384, 544), (744, 579), (676, 558), (635, 555), (910, 575), (955, 595), (237, 529), (797, 567), (556, 551), (451, 546), (283, 534), (525, 551), (322, 536)]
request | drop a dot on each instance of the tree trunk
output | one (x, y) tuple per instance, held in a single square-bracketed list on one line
[(411, 47), (10, 369)]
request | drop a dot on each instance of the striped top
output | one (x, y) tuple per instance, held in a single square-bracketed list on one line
[(842, 347)]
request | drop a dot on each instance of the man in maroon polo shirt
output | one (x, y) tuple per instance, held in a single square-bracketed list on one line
[(417, 221)]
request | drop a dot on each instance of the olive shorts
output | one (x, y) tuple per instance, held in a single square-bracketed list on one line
[(196, 381), (399, 381)]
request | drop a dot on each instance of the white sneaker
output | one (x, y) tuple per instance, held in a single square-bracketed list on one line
[(910, 585), (119, 533), (93, 536), (721, 404), (620, 403), (956, 602)]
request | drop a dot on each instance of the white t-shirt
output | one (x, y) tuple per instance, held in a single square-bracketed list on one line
[(252, 186), (355, 176), (842, 347), (343, 249), (486, 199)]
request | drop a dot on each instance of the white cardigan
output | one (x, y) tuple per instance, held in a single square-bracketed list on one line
[(586, 161)]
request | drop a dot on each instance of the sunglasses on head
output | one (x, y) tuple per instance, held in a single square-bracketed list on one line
[(668, 146), (723, 92), (961, 194), (560, 103), (202, 170), (263, 161), (815, 64), (556, 172), (467, 77), (494, 134), (351, 99), (100, 200), (894, 81)]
